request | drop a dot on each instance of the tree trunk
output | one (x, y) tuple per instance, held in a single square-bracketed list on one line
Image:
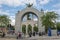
[(46, 29)]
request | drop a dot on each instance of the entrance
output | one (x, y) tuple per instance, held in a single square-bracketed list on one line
[(23, 15), (29, 23)]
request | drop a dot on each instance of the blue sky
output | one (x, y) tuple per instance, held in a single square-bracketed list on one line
[(11, 7)]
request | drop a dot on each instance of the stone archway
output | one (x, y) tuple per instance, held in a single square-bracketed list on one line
[(18, 22), (29, 21)]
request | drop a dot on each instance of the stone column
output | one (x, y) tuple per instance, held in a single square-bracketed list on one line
[(39, 25), (26, 30), (18, 24), (32, 28)]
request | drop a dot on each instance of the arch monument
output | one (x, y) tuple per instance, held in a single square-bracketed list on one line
[(19, 15)]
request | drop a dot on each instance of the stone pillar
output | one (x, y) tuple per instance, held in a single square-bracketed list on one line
[(21, 27), (17, 24), (39, 25), (32, 28), (26, 30), (41, 29)]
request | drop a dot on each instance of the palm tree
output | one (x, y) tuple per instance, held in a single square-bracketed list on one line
[(4, 20), (48, 20)]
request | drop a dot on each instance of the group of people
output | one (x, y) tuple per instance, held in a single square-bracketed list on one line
[(3, 34), (35, 33), (19, 34), (30, 34)]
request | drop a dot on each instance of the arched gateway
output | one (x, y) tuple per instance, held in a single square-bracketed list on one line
[(20, 14)]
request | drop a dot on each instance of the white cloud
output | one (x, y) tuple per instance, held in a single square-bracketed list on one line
[(56, 5), (58, 11), (35, 19), (55, 10), (12, 2), (15, 3), (31, 2), (0, 6), (12, 20), (3, 12), (42, 2)]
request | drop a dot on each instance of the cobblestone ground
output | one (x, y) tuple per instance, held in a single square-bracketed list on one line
[(34, 38)]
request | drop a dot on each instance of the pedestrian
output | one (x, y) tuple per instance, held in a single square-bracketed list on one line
[(40, 34), (3, 34), (19, 35), (30, 33), (34, 33)]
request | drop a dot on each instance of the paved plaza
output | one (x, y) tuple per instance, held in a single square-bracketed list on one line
[(35, 38)]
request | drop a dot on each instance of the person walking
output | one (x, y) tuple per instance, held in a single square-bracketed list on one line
[(19, 35), (30, 33), (34, 33), (3, 34)]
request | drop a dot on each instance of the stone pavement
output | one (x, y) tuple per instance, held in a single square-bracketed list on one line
[(35, 38)]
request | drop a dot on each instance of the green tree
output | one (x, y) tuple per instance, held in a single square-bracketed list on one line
[(29, 28), (58, 25), (4, 20), (47, 20), (35, 28), (24, 29), (12, 28)]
